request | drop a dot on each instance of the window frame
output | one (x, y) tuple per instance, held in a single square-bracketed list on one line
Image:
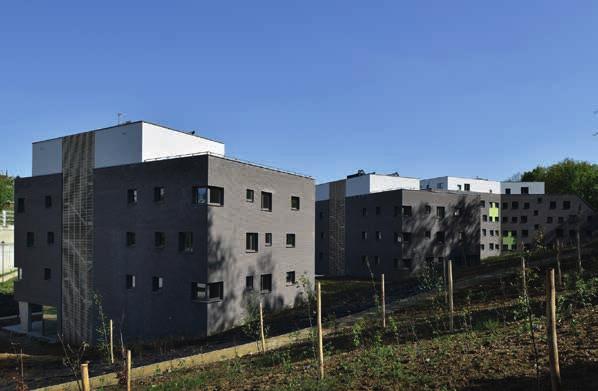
[(297, 200), (293, 242), (159, 194), (265, 205), (252, 242), (265, 278)]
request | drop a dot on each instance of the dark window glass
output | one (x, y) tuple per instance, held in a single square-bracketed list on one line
[(364, 212), (157, 283), (525, 190), (552, 205), (160, 239), (549, 219), (249, 283), (251, 241), (216, 290), (378, 210), (526, 205), (131, 238), (290, 278), (266, 201), (200, 195), (428, 234), (198, 291), (48, 201), (523, 219), (50, 237), (440, 237), (20, 205), (484, 218), (250, 196), (47, 274), (505, 205), (364, 235), (30, 239), (266, 283), (440, 211), (130, 281), (467, 187), (268, 238), (566, 204), (159, 194), (132, 196), (186, 242), (406, 237), (216, 195), (515, 205), (295, 203), (290, 240), (507, 191), (428, 209), (407, 210)]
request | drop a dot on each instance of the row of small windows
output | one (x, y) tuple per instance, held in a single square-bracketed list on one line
[(30, 240), (404, 263), (405, 237), (21, 203), (213, 195), (407, 211), (252, 241)]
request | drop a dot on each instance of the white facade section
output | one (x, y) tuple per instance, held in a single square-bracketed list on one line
[(128, 143), (450, 183), (515, 187), (323, 191), (118, 145), (47, 157), (390, 182), (160, 142)]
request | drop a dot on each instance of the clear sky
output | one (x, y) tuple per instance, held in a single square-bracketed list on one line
[(425, 88)]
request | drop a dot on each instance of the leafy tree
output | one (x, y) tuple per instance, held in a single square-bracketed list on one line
[(568, 176), (6, 189)]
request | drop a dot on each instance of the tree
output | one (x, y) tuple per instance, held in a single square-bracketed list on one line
[(7, 187), (568, 176)]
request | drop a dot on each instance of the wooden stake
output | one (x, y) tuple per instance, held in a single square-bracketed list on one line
[(110, 325), (444, 278), (383, 304), (558, 262), (579, 267), (262, 336), (553, 350), (128, 370), (523, 277), (320, 339), (85, 377), (449, 272)]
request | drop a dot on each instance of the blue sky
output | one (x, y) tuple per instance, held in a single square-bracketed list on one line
[(425, 88)]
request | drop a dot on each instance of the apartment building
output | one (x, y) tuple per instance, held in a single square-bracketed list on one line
[(371, 223), (159, 228)]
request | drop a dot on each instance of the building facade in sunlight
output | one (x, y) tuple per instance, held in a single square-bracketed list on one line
[(158, 230), (371, 223)]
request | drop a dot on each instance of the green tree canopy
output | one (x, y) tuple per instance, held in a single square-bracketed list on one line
[(6, 190), (568, 176)]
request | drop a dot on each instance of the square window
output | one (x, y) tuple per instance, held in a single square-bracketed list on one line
[(131, 238), (566, 205), (526, 205), (491, 232), (249, 283), (30, 239), (406, 237), (483, 204), (523, 219), (159, 194), (561, 219), (505, 205), (268, 238), (250, 197), (20, 205), (266, 201), (507, 191), (482, 247), (266, 283), (216, 195), (549, 219), (514, 219), (130, 281), (200, 195), (539, 200), (295, 203), (290, 278), (407, 263), (186, 242), (48, 201), (216, 290), (524, 233), (491, 246), (484, 218), (515, 205), (198, 291), (157, 283), (251, 242), (552, 205), (364, 235), (536, 212), (47, 274), (50, 237), (505, 219), (290, 240), (428, 234), (483, 231), (159, 239), (428, 209), (467, 187), (440, 237), (407, 210), (132, 196), (525, 190)]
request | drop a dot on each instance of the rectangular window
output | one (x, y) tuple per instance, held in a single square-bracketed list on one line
[(566, 205), (536, 227), (47, 274), (523, 219), (216, 195), (186, 242), (266, 283), (406, 237), (290, 240), (376, 260), (250, 196), (536, 212), (467, 187), (524, 233), (251, 242), (198, 291), (483, 204), (514, 219), (378, 235), (525, 190), (268, 238), (200, 195), (131, 239), (132, 196), (549, 219), (526, 205), (428, 234), (30, 239), (290, 278), (364, 235), (515, 205), (440, 212), (491, 232), (428, 209), (364, 212), (159, 194), (539, 200), (20, 205), (157, 283), (484, 218), (48, 201), (395, 263), (484, 232), (482, 247), (378, 211), (552, 205), (295, 203), (266, 201), (50, 238), (507, 191), (396, 211), (249, 283), (130, 281), (407, 210), (216, 290), (561, 219), (159, 239), (407, 263), (505, 219), (491, 246), (440, 237)]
